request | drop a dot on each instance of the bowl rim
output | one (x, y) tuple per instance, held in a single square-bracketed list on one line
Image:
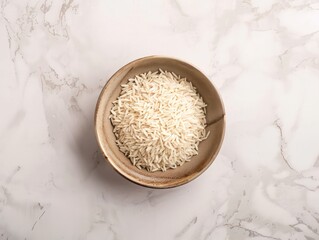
[(98, 135)]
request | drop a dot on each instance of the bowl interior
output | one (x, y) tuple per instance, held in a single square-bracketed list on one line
[(208, 148)]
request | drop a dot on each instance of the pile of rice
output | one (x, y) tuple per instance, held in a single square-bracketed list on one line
[(159, 120)]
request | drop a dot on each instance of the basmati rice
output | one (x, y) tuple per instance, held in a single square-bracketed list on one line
[(159, 120)]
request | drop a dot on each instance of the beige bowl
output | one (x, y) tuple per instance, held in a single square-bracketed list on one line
[(208, 149)]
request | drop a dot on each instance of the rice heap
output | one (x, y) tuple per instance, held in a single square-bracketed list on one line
[(159, 120)]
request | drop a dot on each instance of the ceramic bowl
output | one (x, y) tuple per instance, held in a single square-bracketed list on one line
[(208, 149)]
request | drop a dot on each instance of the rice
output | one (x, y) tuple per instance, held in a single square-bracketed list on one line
[(159, 120)]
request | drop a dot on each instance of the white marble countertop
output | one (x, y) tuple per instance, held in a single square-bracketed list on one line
[(55, 56)]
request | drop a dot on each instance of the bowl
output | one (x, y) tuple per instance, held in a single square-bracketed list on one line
[(208, 149)]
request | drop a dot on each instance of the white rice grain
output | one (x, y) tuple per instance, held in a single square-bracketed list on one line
[(159, 120)]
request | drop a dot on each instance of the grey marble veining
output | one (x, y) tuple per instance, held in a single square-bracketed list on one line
[(262, 55)]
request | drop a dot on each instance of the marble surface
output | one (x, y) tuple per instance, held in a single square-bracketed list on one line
[(263, 56)]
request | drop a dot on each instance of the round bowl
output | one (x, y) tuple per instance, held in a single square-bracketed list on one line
[(208, 149)]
